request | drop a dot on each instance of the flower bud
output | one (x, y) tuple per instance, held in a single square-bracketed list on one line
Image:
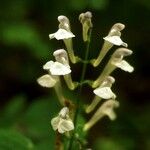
[(85, 19)]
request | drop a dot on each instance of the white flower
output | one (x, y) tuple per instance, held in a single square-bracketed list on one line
[(46, 81), (57, 68), (107, 108), (117, 59), (114, 35), (116, 40), (124, 65), (61, 34), (62, 122), (104, 92)]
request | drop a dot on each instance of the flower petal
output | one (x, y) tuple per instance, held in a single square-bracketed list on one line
[(61, 34), (59, 69), (65, 125), (124, 65), (55, 122), (48, 65), (116, 40), (104, 92), (111, 114), (107, 108), (46, 81)]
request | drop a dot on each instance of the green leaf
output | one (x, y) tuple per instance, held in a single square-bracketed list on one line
[(99, 4), (113, 143), (25, 34), (47, 144), (12, 111), (38, 116), (78, 5), (12, 140)]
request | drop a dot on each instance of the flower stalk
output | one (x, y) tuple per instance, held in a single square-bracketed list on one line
[(67, 118)]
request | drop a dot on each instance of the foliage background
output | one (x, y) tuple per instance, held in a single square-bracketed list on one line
[(26, 108)]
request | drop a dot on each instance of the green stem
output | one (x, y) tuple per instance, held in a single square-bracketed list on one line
[(80, 89)]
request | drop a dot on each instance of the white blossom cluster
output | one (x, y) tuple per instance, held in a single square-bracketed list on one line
[(102, 86)]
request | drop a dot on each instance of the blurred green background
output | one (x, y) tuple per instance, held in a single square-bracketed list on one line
[(26, 108)]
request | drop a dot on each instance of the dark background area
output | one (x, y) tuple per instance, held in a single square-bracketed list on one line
[(25, 47)]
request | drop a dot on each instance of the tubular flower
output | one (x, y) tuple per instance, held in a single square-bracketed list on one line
[(106, 109), (61, 65), (115, 34), (117, 59), (104, 90), (61, 56), (113, 38)]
